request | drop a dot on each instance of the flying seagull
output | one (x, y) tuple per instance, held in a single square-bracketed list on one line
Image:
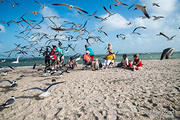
[(44, 90), (143, 9), (169, 38), (138, 28), (157, 17), (12, 83), (118, 3), (8, 103), (70, 7), (155, 4), (110, 14), (123, 37)]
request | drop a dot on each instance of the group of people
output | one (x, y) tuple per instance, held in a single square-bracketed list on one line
[(56, 57), (88, 58)]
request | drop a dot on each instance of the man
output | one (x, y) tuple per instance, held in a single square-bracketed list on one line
[(60, 54), (91, 54)]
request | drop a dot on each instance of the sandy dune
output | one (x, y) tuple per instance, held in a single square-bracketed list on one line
[(112, 94)]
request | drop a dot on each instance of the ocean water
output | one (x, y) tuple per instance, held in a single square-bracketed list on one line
[(40, 60)]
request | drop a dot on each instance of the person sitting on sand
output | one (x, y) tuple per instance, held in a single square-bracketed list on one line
[(46, 55), (87, 58), (124, 63), (137, 63), (91, 53), (72, 64), (108, 59), (95, 65), (53, 56)]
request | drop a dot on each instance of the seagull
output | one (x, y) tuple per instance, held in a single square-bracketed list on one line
[(17, 60), (12, 83), (42, 6), (138, 28), (8, 103), (118, 3), (143, 9), (70, 7), (102, 19), (110, 14), (157, 17), (3, 60), (155, 4), (44, 90), (11, 67), (169, 38), (34, 66), (101, 31), (123, 37)]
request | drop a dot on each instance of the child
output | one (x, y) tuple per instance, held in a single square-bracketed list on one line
[(72, 64), (53, 56), (137, 63), (124, 62)]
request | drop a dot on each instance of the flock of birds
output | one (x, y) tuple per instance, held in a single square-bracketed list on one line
[(68, 28), (44, 91)]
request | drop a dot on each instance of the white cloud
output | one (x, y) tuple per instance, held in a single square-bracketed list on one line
[(2, 28), (166, 6), (168, 25), (115, 22)]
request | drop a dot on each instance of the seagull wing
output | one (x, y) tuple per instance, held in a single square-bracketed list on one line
[(53, 85), (123, 3), (62, 4), (172, 37), (145, 12), (107, 11), (80, 9), (98, 17), (164, 35), (35, 88), (11, 67), (130, 6), (6, 80)]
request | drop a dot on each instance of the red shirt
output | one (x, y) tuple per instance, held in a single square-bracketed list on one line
[(136, 61)]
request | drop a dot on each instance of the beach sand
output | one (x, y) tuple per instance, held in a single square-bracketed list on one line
[(152, 93)]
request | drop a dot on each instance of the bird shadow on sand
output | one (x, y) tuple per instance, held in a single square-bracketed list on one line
[(6, 89), (36, 97)]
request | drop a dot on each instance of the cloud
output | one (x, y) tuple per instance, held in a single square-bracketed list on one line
[(168, 25), (166, 6), (2, 28), (115, 22)]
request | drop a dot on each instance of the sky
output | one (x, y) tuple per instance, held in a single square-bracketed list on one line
[(147, 42)]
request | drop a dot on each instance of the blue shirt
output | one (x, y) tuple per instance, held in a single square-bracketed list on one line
[(91, 51), (60, 51)]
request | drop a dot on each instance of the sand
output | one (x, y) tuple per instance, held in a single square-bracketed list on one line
[(152, 93)]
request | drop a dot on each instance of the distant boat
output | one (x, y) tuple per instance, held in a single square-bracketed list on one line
[(17, 60), (167, 53)]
